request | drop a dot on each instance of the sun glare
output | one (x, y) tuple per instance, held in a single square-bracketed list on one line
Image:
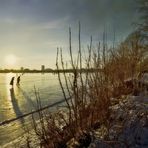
[(10, 60)]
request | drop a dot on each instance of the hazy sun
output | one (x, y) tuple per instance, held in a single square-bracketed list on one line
[(10, 60)]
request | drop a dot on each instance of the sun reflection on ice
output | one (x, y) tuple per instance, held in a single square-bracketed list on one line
[(8, 101)]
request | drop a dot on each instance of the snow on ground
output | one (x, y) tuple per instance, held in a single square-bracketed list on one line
[(129, 126)]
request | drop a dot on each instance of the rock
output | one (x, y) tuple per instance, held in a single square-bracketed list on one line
[(99, 144)]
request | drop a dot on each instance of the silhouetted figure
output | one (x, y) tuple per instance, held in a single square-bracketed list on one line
[(12, 81), (18, 80)]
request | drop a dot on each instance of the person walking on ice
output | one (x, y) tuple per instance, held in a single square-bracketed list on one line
[(18, 80), (12, 81)]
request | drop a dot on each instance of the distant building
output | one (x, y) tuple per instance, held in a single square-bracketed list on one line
[(42, 67), (22, 68)]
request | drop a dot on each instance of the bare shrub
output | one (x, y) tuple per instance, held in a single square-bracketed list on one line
[(89, 89)]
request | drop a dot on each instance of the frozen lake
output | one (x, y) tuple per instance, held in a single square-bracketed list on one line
[(20, 100)]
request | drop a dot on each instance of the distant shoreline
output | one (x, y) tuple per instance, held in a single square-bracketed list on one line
[(50, 71)]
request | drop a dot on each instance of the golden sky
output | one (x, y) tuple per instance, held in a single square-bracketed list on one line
[(31, 30)]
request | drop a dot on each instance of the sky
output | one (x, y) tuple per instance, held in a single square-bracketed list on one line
[(31, 30)]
